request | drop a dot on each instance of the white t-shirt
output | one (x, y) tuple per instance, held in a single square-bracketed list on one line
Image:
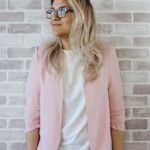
[(74, 119)]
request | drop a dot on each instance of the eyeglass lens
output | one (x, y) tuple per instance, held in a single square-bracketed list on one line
[(61, 12)]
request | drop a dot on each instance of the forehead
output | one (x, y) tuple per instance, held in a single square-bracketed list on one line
[(59, 3)]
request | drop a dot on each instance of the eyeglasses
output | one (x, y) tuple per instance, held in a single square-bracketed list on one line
[(61, 12)]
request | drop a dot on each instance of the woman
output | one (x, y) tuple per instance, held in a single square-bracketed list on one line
[(74, 90)]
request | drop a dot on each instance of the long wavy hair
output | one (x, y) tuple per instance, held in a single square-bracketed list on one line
[(82, 37)]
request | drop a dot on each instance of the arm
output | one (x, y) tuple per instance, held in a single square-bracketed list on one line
[(32, 107), (32, 139), (117, 111), (117, 139)]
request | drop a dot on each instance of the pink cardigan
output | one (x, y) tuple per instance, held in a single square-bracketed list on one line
[(104, 102)]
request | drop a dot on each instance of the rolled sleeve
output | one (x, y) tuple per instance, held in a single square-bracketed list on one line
[(115, 90), (32, 92)]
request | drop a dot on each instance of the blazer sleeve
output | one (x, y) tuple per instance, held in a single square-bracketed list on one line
[(32, 92), (115, 90)]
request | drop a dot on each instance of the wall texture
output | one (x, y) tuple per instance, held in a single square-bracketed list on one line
[(124, 23)]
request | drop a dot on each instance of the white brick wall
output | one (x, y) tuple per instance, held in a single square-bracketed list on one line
[(124, 23)]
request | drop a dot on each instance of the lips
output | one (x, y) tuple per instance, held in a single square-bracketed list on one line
[(55, 24)]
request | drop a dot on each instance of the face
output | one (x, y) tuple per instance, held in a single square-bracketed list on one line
[(61, 26)]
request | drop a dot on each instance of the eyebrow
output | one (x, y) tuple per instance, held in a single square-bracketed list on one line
[(59, 7)]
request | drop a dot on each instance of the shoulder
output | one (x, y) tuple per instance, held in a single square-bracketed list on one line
[(108, 50), (41, 47)]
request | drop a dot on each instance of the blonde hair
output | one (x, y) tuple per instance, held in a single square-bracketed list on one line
[(83, 37)]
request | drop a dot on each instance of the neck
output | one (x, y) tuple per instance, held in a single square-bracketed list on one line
[(66, 43)]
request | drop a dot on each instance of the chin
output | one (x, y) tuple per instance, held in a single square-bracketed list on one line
[(60, 35), (56, 33)]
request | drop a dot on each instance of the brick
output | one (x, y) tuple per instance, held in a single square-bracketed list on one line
[(17, 76), (113, 17), (141, 65), (28, 4), (148, 145), (118, 41), (24, 28), (132, 5), (2, 100), (132, 53), (16, 123), (141, 135), (39, 16), (133, 77), (104, 29), (127, 112), (11, 16), (2, 4), (16, 100), (11, 64), (127, 135), (103, 5), (18, 146), (3, 53), (10, 135), (136, 124), (11, 40), (136, 100), (125, 65), (2, 76), (11, 112), (127, 89), (132, 29), (141, 112), (141, 89), (20, 52), (40, 39), (141, 17), (141, 41), (8, 88), (3, 123), (135, 146), (28, 64), (2, 28), (3, 146)]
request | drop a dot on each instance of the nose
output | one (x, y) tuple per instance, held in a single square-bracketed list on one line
[(55, 17)]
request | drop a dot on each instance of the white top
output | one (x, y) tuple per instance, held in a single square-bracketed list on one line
[(74, 119)]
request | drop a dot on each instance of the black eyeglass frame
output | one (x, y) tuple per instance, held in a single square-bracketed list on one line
[(56, 12)]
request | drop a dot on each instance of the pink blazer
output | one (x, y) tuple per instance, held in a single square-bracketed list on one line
[(104, 103)]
